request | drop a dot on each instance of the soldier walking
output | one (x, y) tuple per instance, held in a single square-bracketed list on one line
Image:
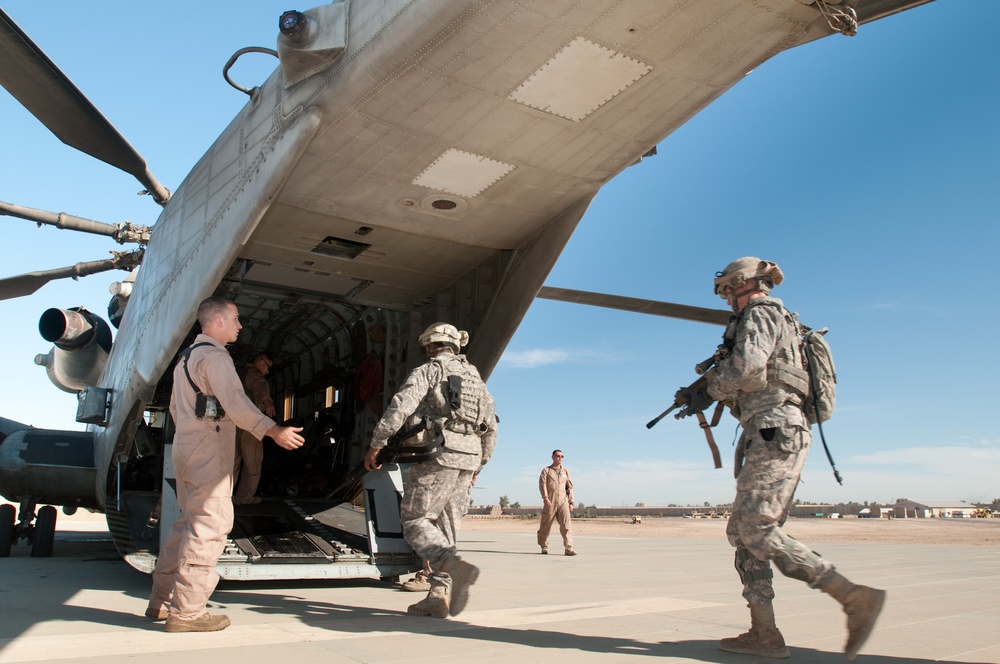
[(448, 392), (764, 382)]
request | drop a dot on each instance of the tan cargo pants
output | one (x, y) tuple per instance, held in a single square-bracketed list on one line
[(185, 575), (560, 513)]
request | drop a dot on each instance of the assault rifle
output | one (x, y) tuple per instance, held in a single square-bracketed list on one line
[(395, 451), (695, 400)]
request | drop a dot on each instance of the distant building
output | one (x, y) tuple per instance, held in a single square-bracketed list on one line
[(933, 509)]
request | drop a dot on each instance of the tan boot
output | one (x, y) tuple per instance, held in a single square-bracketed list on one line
[(206, 622), (462, 575), (862, 606), (418, 584), (435, 604), (763, 639)]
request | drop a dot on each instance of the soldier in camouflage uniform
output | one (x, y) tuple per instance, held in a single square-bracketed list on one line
[(448, 392), (764, 382)]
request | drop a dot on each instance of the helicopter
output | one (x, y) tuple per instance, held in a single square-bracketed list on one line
[(401, 165)]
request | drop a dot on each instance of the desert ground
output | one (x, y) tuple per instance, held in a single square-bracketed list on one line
[(960, 532), (956, 532)]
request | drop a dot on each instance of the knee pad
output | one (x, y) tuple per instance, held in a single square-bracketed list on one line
[(750, 569), (796, 562)]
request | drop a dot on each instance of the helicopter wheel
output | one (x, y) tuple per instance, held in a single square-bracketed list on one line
[(7, 516), (392, 578), (45, 532)]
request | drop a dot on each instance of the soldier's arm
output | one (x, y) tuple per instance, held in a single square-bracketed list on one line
[(404, 403), (489, 437), (745, 368)]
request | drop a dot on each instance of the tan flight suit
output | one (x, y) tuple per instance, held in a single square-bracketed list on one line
[(250, 450), (203, 455), (556, 485)]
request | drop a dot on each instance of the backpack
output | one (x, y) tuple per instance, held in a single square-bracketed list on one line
[(822, 375), (818, 358), (822, 384)]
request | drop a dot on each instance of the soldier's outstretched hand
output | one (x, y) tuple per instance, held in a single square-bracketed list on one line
[(286, 437)]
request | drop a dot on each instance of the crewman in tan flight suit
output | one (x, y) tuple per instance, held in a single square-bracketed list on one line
[(556, 488), (250, 450), (203, 456)]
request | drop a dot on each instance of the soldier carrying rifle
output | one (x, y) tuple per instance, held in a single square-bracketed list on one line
[(760, 374)]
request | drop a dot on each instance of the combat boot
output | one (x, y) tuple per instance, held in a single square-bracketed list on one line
[(435, 604), (763, 639), (418, 584), (462, 575), (862, 606), (206, 622)]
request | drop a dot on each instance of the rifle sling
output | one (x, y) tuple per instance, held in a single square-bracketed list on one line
[(707, 428)]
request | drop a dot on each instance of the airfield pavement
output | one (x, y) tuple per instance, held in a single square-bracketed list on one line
[(663, 589)]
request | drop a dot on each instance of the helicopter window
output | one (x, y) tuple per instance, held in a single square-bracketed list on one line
[(332, 396), (289, 405)]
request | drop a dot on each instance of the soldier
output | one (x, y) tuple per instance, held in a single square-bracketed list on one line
[(556, 488), (207, 403), (764, 383), (250, 450), (448, 392)]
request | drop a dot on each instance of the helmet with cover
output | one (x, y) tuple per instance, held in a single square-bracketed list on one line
[(444, 333), (736, 274)]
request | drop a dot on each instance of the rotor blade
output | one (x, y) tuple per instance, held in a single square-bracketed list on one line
[(50, 96), (653, 307), (26, 284), (122, 233), (872, 10)]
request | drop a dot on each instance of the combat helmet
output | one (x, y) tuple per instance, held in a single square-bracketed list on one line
[(445, 333), (734, 275)]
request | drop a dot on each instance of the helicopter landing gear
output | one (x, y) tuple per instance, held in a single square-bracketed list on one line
[(41, 535), (44, 534), (7, 530)]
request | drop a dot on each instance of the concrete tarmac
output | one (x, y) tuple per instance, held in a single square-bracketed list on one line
[(620, 600)]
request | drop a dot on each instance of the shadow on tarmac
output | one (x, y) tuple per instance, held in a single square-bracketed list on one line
[(355, 620)]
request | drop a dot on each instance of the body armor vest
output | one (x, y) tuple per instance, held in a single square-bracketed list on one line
[(787, 380), (458, 405), (461, 401)]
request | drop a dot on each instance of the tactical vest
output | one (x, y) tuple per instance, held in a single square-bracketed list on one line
[(787, 380), (459, 404)]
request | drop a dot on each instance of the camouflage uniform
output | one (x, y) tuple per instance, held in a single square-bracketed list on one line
[(764, 383), (763, 379), (436, 492)]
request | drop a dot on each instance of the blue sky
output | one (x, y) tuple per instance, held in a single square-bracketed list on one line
[(866, 167)]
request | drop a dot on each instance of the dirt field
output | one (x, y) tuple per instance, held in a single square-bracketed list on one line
[(963, 532)]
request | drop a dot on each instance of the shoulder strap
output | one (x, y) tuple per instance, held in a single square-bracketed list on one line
[(185, 354)]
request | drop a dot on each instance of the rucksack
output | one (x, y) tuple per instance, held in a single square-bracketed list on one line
[(818, 358), (822, 375), (822, 384)]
